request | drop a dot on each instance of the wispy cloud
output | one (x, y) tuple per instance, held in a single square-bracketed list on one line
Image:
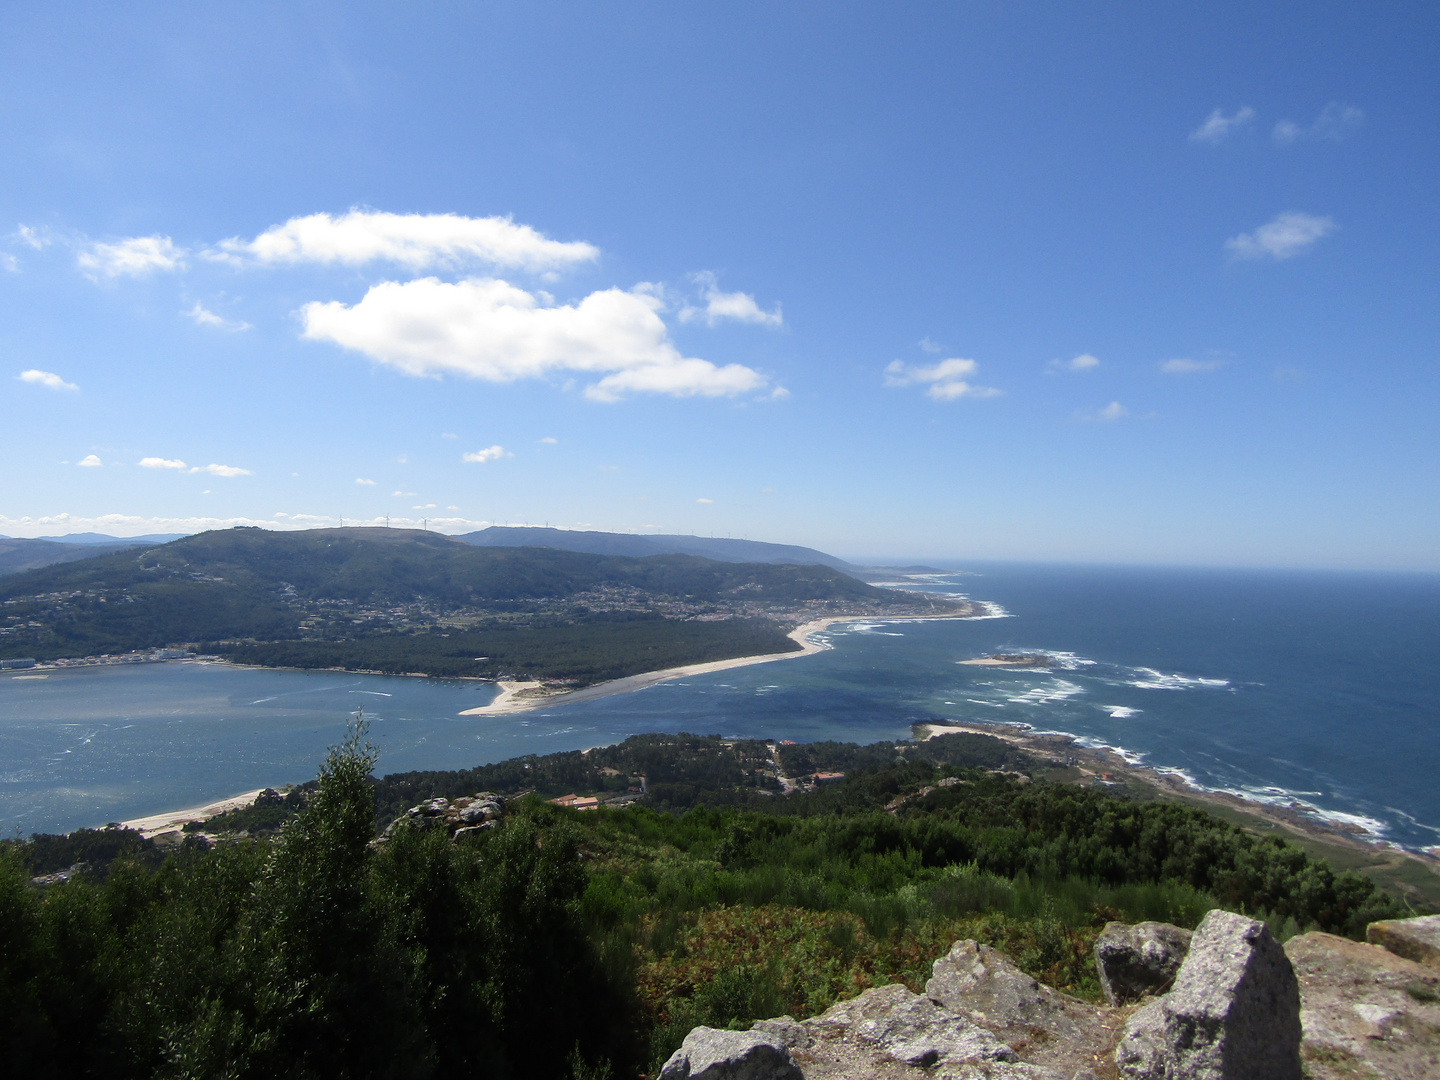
[(1108, 415), (364, 482), (485, 328), (204, 317), (706, 502), (945, 381), (33, 238), (222, 470), (1287, 236), (1335, 122), (1083, 362), (549, 440), (416, 241), (931, 346), (162, 463), (90, 461), (1217, 126), (719, 306), (1180, 366), (490, 453), (47, 379), (133, 257)]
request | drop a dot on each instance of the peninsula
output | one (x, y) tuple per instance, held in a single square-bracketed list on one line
[(404, 601)]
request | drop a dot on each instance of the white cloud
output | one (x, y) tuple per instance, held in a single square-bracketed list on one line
[(138, 255), (402, 494), (47, 379), (32, 237), (426, 506), (706, 502), (90, 461), (1108, 415), (10, 262), (944, 381), (162, 463), (1288, 235), (366, 483), (1083, 362), (222, 470), (490, 453), (931, 346), (1217, 125), (203, 317), (1335, 122), (719, 306), (549, 440), (485, 328), (448, 435), (416, 241), (1182, 366)]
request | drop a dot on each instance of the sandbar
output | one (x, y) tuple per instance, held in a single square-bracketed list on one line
[(514, 698), (152, 826)]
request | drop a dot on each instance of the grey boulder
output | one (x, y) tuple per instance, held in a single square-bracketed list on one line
[(712, 1054), (1234, 1013), (1415, 939), (1137, 960), (911, 1028)]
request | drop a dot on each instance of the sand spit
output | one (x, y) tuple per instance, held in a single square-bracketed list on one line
[(522, 697), (152, 826)]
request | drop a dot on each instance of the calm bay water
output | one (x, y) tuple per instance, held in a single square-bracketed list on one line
[(1316, 687)]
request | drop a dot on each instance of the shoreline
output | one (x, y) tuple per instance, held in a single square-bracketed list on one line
[(510, 699), (1098, 763), (153, 825)]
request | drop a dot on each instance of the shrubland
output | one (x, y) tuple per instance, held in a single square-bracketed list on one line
[(579, 945)]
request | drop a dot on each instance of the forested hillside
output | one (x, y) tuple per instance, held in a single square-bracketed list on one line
[(572, 946), (405, 600)]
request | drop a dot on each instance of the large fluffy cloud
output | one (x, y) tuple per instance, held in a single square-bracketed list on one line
[(417, 241), (485, 328)]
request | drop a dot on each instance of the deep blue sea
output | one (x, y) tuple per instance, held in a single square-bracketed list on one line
[(1316, 687)]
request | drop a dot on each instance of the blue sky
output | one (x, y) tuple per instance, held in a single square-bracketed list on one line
[(1115, 282)]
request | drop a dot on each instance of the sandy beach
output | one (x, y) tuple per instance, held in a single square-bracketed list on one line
[(156, 824), (521, 696)]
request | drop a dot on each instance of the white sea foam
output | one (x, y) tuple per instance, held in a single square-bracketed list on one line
[(1055, 690), (990, 610), (992, 704), (1119, 712), (1150, 679), (372, 693)]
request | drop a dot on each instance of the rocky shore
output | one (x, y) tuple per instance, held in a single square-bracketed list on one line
[(1224, 1003)]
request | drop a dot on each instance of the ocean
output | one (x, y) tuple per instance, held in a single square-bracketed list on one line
[(1311, 688)]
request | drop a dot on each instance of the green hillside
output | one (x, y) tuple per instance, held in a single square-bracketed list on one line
[(405, 600)]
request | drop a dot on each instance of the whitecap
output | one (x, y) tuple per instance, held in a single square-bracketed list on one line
[(1119, 712), (1056, 690), (1150, 679), (372, 693)]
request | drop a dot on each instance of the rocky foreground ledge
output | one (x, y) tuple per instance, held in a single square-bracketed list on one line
[(1226, 1003)]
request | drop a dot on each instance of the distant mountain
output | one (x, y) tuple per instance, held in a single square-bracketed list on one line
[(17, 555), (101, 538), (605, 543)]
